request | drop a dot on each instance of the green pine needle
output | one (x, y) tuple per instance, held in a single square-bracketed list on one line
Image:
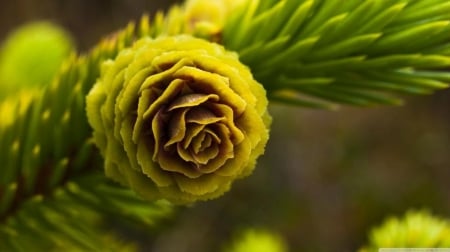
[(74, 218), (353, 43)]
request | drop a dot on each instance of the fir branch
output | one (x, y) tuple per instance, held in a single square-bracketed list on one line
[(74, 218), (368, 51), (344, 52), (46, 148)]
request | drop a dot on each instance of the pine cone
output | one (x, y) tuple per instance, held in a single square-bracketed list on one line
[(178, 118)]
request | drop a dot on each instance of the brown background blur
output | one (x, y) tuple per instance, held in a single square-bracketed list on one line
[(326, 176)]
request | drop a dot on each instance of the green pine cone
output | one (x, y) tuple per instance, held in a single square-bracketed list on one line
[(178, 118)]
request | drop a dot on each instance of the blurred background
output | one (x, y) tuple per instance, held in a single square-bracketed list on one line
[(326, 177)]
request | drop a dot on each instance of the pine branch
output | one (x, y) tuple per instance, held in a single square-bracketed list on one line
[(47, 156), (333, 51), (74, 218), (351, 52)]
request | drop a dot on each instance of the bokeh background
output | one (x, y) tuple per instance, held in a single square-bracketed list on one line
[(326, 178)]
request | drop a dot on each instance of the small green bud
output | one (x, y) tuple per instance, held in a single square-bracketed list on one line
[(206, 18), (32, 55), (254, 240), (418, 229)]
